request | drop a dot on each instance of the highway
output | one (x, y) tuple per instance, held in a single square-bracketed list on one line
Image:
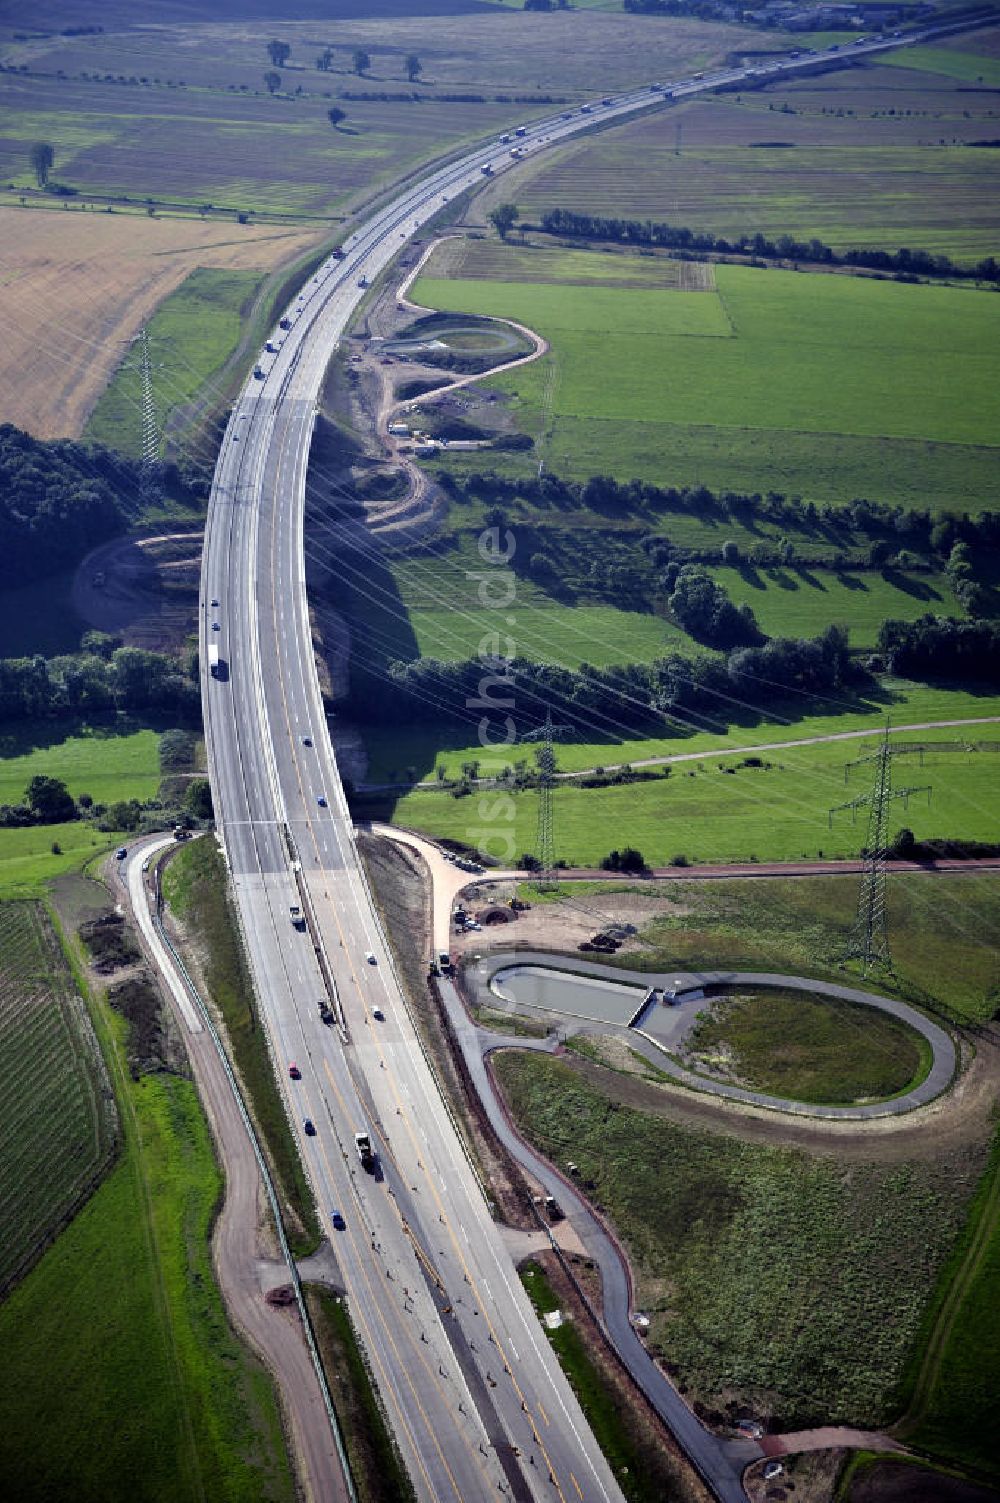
[(477, 1402)]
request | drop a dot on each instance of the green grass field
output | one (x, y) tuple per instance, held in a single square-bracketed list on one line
[(122, 1317), (427, 750), (791, 1045), (800, 602), (940, 933), (791, 1282), (426, 604), (967, 67), (719, 810), (825, 362), (108, 766), (191, 334), (59, 1128), (951, 1413), (97, 761)]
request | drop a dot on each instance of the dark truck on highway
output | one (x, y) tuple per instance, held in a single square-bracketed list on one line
[(363, 1144)]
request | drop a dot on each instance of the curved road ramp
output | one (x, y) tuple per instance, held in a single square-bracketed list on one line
[(657, 1011)]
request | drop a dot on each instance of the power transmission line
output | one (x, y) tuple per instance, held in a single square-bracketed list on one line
[(869, 940), (545, 840), (149, 462)]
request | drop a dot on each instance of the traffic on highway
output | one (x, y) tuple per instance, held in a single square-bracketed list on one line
[(477, 1401)]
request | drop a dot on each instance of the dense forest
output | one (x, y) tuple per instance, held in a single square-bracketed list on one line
[(60, 498), (97, 682)]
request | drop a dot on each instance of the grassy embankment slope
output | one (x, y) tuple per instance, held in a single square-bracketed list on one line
[(122, 1316), (766, 1271), (107, 766), (766, 1267), (191, 335), (195, 887)]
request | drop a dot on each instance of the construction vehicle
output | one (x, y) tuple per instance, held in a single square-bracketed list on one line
[(363, 1144)]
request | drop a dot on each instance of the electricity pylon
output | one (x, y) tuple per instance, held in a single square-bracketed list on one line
[(545, 841), (869, 940), (149, 462)]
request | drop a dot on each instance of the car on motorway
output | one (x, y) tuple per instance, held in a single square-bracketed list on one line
[(378, 1014), (214, 602), (309, 1126), (322, 801), (121, 853), (216, 626), (294, 1070), (370, 957), (337, 1218), (307, 741), (145, 865)]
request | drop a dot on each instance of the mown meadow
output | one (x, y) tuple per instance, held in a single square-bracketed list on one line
[(774, 377)]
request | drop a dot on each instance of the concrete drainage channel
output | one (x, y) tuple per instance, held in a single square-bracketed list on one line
[(654, 1012)]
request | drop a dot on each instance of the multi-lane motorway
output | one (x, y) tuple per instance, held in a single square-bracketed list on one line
[(477, 1402)]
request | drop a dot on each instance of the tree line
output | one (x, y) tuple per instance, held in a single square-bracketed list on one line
[(901, 263), (629, 697), (935, 647), (886, 529), (97, 682)]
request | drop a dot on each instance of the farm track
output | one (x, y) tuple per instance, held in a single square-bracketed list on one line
[(986, 1228), (729, 751)]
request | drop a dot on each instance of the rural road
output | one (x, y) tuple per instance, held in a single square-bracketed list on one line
[(274, 1334), (720, 1462), (724, 750)]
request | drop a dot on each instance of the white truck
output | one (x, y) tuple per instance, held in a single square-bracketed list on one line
[(213, 660)]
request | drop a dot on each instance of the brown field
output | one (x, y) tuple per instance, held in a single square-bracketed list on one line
[(75, 287), (789, 158)]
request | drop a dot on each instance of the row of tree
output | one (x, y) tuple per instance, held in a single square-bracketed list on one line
[(886, 528), (279, 52), (87, 683), (60, 498), (630, 697), (903, 262)]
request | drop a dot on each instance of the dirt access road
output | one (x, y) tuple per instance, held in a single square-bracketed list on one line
[(244, 1269)]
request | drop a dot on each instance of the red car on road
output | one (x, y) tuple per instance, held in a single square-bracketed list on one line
[(294, 1071)]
